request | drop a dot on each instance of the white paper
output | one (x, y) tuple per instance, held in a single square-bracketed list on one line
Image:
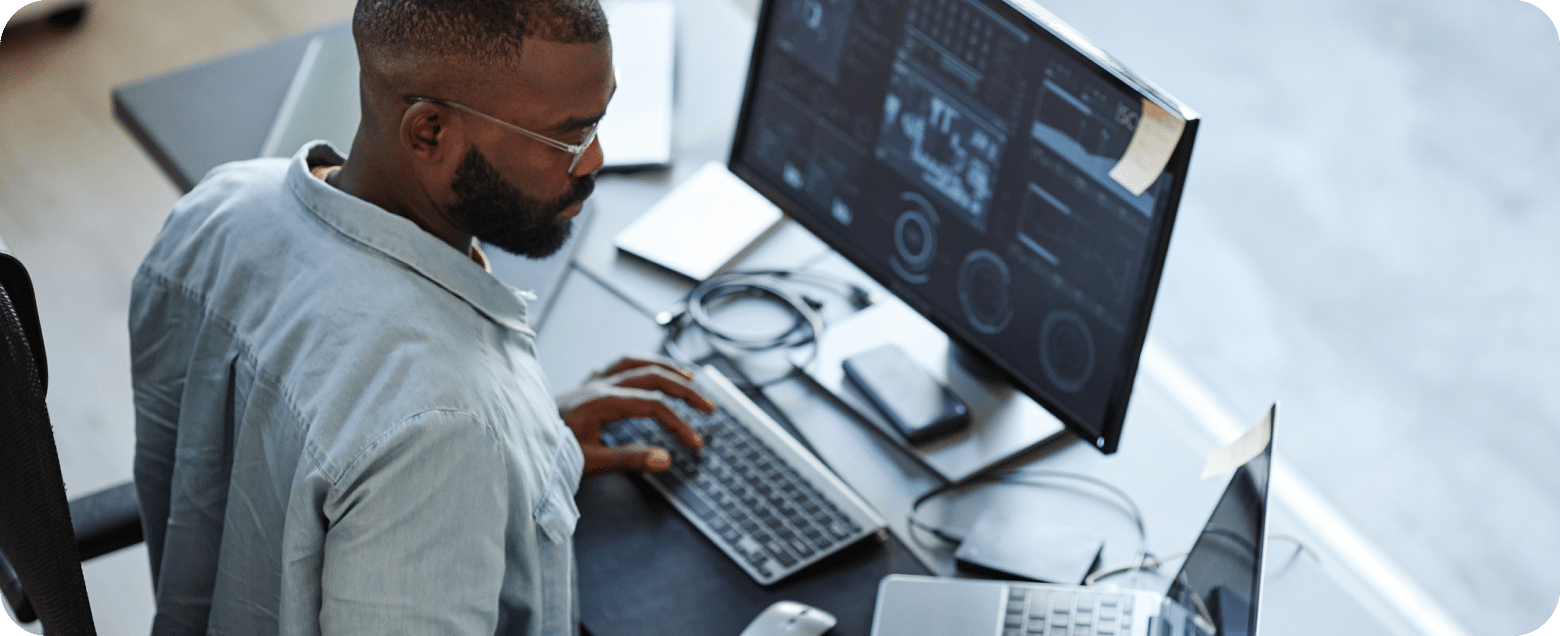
[(1251, 444), (637, 129), (321, 103), (1156, 136), (703, 226)]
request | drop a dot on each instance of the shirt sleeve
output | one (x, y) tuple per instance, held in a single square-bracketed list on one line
[(415, 542)]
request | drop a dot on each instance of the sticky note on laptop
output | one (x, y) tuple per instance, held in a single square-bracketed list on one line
[(703, 226), (1240, 451)]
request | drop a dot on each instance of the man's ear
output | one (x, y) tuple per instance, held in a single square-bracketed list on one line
[(430, 134)]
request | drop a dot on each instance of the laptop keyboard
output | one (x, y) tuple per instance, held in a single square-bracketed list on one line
[(1039, 611), (764, 504)]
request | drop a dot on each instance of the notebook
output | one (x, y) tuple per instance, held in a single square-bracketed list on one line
[(703, 226), (1215, 592), (636, 133)]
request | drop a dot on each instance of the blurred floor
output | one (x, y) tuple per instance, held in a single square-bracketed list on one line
[(79, 205), (1365, 235)]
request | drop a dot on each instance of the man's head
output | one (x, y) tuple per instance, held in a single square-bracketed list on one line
[(445, 86)]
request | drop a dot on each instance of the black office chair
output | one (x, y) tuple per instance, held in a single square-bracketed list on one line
[(41, 549)]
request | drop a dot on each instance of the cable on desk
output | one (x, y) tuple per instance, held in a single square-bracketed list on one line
[(857, 295), (1028, 478), (1154, 563), (1150, 564), (1300, 549), (805, 329)]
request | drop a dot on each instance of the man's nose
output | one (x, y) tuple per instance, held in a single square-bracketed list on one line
[(592, 161)]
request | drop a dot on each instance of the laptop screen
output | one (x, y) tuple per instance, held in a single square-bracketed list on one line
[(1223, 572)]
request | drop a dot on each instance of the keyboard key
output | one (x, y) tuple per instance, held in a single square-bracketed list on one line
[(1039, 604), (780, 555)]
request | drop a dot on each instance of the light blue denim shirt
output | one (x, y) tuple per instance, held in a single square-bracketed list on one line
[(341, 426)]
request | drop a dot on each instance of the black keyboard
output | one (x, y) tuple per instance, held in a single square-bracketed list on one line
[(765, 500)]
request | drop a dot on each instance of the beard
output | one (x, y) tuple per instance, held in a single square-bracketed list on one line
[(499, 214)]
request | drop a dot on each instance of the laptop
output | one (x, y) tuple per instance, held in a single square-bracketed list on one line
[(1214, 594)]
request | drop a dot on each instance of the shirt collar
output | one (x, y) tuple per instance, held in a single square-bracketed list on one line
[(402, 241)]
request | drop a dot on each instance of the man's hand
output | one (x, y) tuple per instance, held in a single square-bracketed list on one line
[(634, 387)]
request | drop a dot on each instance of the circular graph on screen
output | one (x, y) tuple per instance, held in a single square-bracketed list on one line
[(915, 239), (1066, 350), (984, 283)]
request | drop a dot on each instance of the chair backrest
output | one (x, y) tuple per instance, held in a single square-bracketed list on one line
[(17, 284), (36, 538)]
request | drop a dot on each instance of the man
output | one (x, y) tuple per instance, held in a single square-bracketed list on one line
[(341, 425)]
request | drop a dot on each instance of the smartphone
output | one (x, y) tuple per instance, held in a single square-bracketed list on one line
[(914, 402)]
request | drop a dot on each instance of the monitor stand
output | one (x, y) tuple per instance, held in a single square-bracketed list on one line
[(974, 364), (1004, 423)]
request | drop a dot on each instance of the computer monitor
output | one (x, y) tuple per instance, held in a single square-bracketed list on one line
[(984, 162)]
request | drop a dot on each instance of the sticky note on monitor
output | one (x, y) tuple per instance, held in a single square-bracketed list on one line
[(1158, 132)]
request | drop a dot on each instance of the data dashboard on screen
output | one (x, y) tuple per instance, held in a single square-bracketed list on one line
[(962, 153)]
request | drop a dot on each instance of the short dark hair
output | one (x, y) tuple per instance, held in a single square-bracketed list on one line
[(487, 31)]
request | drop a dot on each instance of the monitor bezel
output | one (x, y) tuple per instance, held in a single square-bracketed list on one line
[(1046, 25)]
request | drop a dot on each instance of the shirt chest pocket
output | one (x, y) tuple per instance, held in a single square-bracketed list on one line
[(556, 514)]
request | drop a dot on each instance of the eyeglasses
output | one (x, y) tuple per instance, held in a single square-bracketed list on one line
[(578, 150)]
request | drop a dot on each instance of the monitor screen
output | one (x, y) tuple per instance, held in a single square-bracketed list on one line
[(987, 165)]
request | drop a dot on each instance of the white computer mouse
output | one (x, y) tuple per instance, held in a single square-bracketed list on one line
[(790, 618)]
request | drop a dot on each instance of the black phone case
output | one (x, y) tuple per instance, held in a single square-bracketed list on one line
[(953, 417)]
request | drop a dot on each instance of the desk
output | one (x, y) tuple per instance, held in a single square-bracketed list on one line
[(598, 312)]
